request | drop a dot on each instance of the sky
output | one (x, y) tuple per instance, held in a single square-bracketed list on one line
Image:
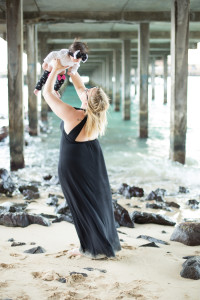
[(193, 57)]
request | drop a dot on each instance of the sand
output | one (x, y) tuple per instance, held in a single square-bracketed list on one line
[(135, 273)]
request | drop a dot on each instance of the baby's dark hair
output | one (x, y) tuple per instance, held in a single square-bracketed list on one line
[(77, 45)]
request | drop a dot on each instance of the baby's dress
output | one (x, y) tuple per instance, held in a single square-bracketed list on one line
[(64, 59)]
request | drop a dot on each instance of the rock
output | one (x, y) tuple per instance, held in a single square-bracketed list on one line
[(9, 206), (62, 280), (160, 192), (7, 186), (152, 239), (183, 190), (66, 217), (29, 195), (194, 204), (144, 217), (172, 204), (130, 191), (11, 240), (35, 250), (83, 274), (122, 216), (14, 244), (58, 196), (163, 231), (22, 219), (52, 201), (158, 206), (191, 268), (157, 195), (121, 232), (31, 187), (3, 133), (47, 177), (63, 208), (48, 216), (30, 191), (187, 234), (150, 245)]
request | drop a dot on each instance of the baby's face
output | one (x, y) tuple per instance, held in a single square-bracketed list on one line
[(75, 60)]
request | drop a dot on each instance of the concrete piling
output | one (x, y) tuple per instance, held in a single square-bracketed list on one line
[(126, 79), (15, 82), (179, 74)]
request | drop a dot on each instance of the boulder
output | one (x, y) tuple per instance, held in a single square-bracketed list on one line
[(9, 206), (3, 133), (144, 217), (191, 268), (187, 233), (22, 219), (130, 191), (152, 239), (122, 216)]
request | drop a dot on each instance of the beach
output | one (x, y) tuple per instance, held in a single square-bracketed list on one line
[(136, 272)]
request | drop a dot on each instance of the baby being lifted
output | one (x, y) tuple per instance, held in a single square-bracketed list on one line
[(71, 57)]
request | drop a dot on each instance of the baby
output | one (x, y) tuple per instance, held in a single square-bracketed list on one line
[(68, 57)]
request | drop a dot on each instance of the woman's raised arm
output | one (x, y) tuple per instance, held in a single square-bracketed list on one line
[(79, 85), (61, 109)]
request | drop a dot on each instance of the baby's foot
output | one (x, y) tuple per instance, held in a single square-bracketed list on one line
[(73, 252), (36, 92)]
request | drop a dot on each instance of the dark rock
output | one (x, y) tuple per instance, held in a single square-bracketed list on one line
[(161, 192), (9, 206), (150, 245), (14, 244), (189, 256), (183, 190), (163, 231), (194, 204), (35, 250), (22, 219), (121, 232), (48, 216), (92, 269), (130, 191), (66, 217), (156, 195), (191, 268), (172, 204), (62, 280), (52, 201), (89, 269), (32, 243), (29, 195), (122, 216), (158, 206), (47, 177), (84, 274), (63, 208), (152, 239), (3, 133), (7, 186), (11, 240), (121, 240), (187, 234), (58, 196), (144, 217), (31, 187)]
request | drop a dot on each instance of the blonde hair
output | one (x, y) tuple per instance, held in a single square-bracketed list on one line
[(98, 104)]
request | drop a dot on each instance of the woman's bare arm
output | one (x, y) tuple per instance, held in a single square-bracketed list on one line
[(78, 84), (61, 109)]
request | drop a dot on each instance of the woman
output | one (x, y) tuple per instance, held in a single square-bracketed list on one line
[(82, 171)]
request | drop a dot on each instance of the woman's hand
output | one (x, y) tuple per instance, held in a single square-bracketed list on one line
[(57, 65), (69, 71)]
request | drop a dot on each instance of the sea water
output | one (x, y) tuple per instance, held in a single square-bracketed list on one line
[(129, 159)]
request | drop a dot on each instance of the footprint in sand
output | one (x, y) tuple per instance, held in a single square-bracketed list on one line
[(68, 295), (47, 276), (7, 266), (125, 246), (3, 284)]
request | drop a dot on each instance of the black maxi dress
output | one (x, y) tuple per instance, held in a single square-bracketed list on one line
[(84, 181)]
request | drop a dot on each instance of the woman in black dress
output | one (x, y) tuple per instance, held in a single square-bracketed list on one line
[(82, 171)]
